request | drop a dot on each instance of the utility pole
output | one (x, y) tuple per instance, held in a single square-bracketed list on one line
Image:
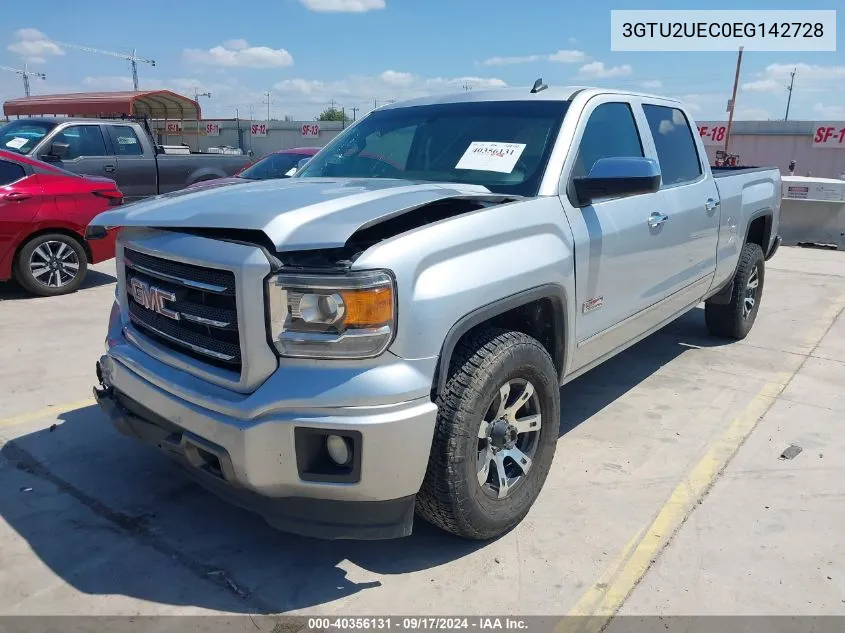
[(197, 95), (267, 94), (789, 89), (354, 113), (25, 74), (732, 102)]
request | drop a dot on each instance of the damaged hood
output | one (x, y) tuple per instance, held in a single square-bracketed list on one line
[(295, 213)]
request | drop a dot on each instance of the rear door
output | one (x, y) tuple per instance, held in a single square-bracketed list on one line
[(20, 198), (137, 170), (688, 197), (619, 258)]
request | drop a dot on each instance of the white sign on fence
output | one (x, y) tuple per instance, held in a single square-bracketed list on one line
[(713, 132), (310, 130), (830, 135), (258, 129), (212, 129)]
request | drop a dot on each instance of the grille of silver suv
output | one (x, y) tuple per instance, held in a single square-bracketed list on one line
[(191, 309)]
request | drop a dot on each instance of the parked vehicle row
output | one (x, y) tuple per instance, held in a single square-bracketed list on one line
[(118, 149), (385, 333)]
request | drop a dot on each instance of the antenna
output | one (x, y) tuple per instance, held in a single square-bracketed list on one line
[(25, 74), (538, 86), (133, 59)]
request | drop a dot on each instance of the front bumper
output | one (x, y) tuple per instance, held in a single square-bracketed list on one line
[(255, 464)]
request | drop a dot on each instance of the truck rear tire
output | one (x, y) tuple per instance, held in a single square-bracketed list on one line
[(736, 318), (495, 436), (51, 264)]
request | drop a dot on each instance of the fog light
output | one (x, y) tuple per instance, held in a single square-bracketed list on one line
[(338, 449)]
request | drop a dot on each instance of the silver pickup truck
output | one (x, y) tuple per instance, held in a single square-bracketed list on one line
[(119, 149), (386, 332)]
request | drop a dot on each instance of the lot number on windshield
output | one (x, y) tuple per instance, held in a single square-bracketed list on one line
[(488, 156)]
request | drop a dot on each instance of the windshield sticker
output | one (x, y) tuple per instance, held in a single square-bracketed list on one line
[(291, 171), (489, 156), (17, 142)]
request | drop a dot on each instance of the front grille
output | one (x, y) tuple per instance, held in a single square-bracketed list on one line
[(198, 315)]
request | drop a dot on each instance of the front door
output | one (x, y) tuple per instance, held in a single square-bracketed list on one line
[(20, 198), (87, 152), (620, 252)]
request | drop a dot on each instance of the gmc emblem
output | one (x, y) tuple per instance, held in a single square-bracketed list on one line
[(152, 298)]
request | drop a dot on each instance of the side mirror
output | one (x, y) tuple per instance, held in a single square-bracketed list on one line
[(59, 150), (618, 177)]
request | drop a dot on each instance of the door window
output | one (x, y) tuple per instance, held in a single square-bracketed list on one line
[(82, 140), (611, 132), (10, 172), (125, 141), (673, 139)]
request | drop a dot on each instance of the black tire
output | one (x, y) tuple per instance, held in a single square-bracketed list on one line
[(45, 285), (451, 496), (731, 320)]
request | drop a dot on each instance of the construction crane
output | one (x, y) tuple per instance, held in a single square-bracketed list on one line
[(133, 59), (25, 74)]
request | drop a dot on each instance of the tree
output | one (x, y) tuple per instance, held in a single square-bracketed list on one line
[(333, 114)]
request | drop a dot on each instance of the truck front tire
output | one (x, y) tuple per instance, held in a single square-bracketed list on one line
[(736, 318), (495, 436)]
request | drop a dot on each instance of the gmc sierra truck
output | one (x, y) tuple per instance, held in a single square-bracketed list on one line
[(121, 150), (385, 333)]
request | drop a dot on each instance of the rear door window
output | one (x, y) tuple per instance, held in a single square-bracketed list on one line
[(125, 141), (675, 144)]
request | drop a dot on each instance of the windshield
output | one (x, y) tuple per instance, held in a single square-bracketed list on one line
[(22, 135), (272, 166), (502, 145)]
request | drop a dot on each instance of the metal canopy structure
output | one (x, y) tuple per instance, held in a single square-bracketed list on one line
[(155, 104)]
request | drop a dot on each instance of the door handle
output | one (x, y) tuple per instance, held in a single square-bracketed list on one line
[(16, 196), (711, 204), (108, 168), (656, 219)]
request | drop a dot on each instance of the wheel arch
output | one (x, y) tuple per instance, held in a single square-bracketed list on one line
[(540, 312)]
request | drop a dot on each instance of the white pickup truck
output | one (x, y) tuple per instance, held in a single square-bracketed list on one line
[(386, 332)]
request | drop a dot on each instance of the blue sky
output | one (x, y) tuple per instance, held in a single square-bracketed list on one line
[(308, 52)]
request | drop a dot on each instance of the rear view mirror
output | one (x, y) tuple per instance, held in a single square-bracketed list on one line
[(618, 177)]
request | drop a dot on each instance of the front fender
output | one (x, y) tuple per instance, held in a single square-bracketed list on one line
[(449, 270)]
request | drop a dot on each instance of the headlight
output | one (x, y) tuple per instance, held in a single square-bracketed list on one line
[(317, 316)]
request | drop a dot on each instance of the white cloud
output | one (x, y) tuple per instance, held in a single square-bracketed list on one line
[(343, 6), (236, 44), (752, 114), (241, 55), (33, 46), (561, 56), (829, 111), (311, 96), (598, 70), (394, 78), (762, 85), (651, 84)]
